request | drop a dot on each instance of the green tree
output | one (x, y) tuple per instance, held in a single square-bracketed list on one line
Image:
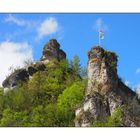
[(1, 90), (76, 66), (44, 116), (36, 88), (2, 104), (18, 99), (49, 98), (11, 118), (115, 120), (38, 116), (68, 101), (22, 99)]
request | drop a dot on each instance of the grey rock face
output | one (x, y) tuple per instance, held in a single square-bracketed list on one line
[(14, 78), (38, 66), (52, 51), (105, 91), (22, 75)]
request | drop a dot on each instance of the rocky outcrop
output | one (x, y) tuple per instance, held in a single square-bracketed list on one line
[(22, 75), (52, 51), (15, 77), (105, 91), (38, 66)]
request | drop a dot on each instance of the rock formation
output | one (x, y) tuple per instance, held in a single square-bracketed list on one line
[(38, 66), (105, 91), (51, 51), (12, 80)]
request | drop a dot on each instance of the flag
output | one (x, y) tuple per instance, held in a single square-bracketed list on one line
[(101, 34)]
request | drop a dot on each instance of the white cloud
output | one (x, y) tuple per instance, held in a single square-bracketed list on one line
[(12, 19), (44, 28), (48, 27), (20, 22), (13, 54), (100, 25), (138, 71)]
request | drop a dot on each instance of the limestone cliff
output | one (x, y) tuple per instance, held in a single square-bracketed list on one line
[(105, 91)]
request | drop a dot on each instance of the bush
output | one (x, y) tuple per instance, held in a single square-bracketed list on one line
[(69, 100), (44, 116), (49, 98), (115, 120), (11, 118)]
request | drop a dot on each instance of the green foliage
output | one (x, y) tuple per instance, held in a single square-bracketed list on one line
[(44, 116), (1, 90), (75, 64), (38, 115), (12, 118), (49, 98), (36, 88), (2, 104), (69, 100), (21, 98), (115, 120), (46, 86), (17, 99)]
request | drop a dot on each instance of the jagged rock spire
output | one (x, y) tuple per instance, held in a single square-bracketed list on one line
[(102, 70), (52, 51)]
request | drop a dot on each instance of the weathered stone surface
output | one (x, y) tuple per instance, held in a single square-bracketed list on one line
[(38, 66), (14, 78), (52, 51), (105, 91), (102, 71), (62, 55)]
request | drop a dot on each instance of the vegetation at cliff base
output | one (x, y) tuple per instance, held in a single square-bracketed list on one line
[(116, 119), (49, 98), (69, 100)]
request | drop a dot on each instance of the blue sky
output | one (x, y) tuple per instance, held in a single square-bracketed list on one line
[(76, 33)]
